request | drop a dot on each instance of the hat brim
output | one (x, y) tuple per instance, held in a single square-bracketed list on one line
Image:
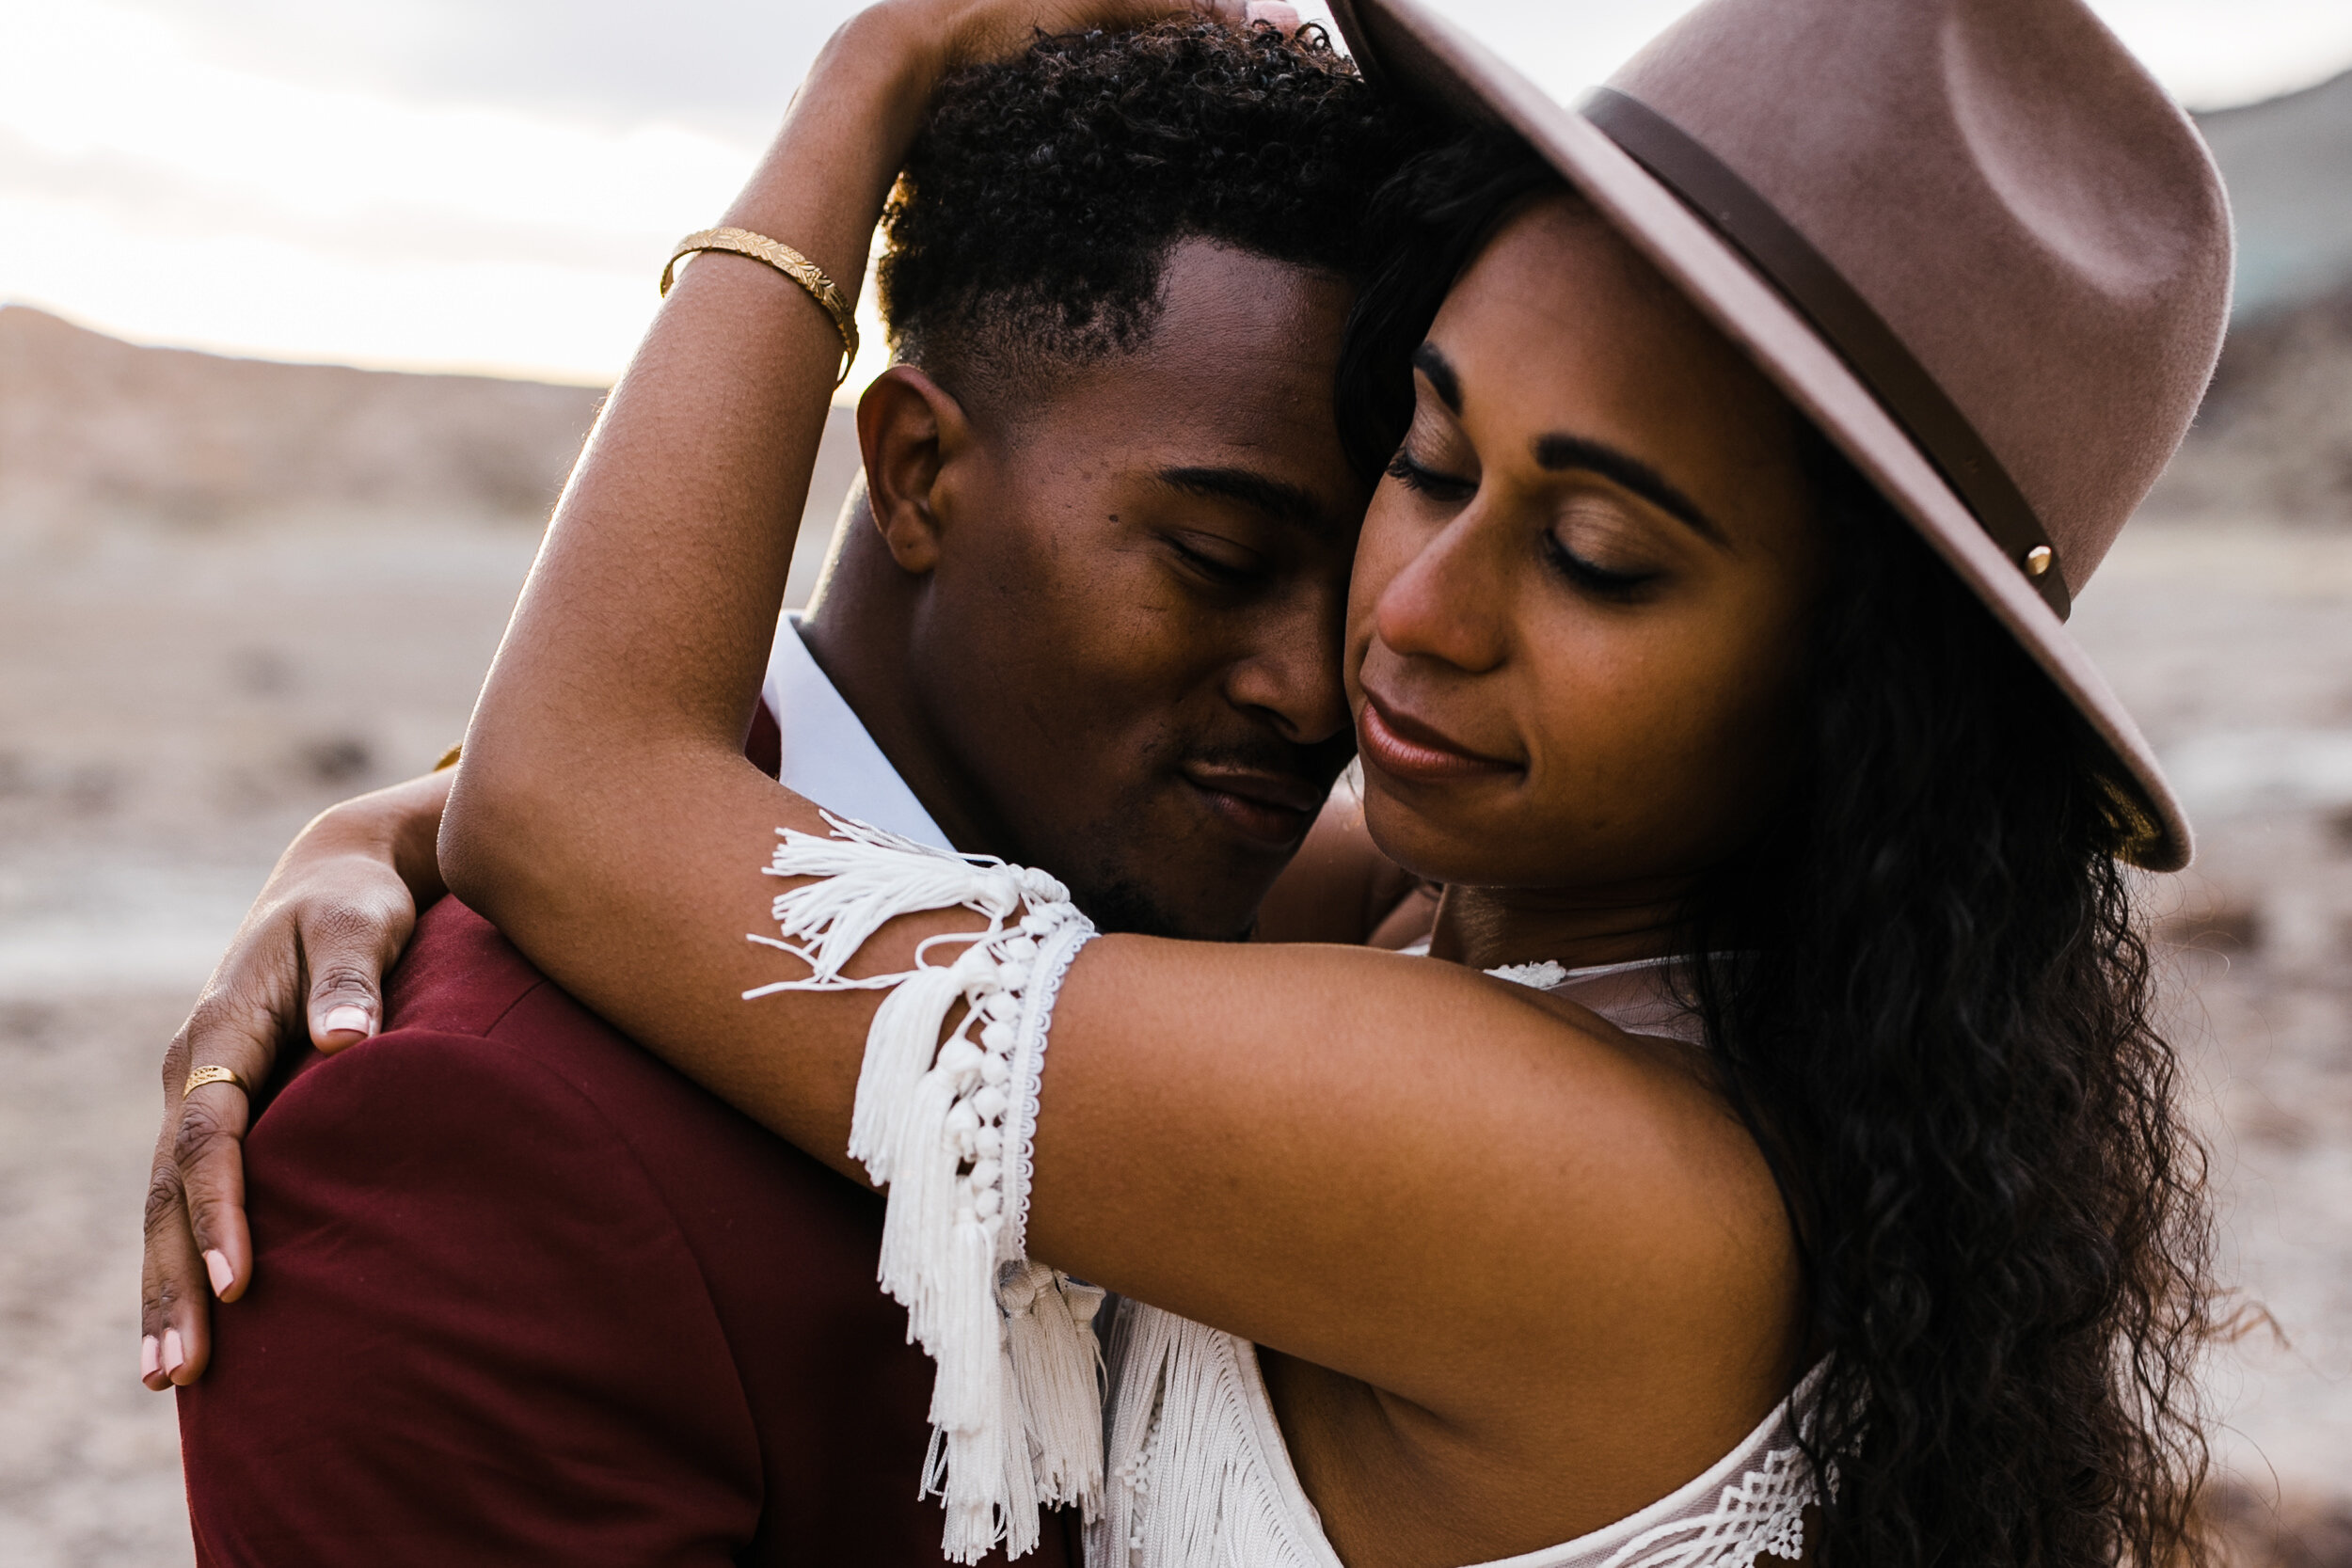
[(1400, 44)]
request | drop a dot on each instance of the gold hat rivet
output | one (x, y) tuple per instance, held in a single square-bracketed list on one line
[(2038, 560)]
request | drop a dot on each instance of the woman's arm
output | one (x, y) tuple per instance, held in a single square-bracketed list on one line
[(1326, 1150)]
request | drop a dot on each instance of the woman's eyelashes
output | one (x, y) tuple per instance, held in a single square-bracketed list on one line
[(1617, 582), (1429, 482)]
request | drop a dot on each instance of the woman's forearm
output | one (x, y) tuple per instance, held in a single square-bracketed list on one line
[(703, 455)]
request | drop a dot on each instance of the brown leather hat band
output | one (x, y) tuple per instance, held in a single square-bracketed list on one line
[(1845, 322)]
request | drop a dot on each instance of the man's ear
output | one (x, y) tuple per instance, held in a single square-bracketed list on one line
[(909, 431)]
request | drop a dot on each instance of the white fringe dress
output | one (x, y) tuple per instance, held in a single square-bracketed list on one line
[(1171, 1446)]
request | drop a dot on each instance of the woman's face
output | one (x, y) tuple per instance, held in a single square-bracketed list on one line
[(1576, 620)]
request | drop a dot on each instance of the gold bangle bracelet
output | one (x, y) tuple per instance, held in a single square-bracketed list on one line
[(448, 758), (786, 260)]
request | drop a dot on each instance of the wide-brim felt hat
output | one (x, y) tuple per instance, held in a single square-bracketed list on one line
[(1973, 240)]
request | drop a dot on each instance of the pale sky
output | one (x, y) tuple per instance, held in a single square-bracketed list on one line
[(493, 184)]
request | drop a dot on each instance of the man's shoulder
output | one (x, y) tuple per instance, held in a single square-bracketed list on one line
[(460, 976), (465, 997), (500, 1167), (469, 1018)]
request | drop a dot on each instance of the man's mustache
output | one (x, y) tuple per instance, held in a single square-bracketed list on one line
[(1318, 765)]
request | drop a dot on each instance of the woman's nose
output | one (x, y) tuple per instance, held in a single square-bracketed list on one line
[(1449, 602)]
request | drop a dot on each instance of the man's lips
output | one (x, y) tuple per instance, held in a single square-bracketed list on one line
[(1272, 808), (1406, 748)]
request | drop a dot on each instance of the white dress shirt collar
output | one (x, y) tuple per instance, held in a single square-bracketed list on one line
[(827, 756)]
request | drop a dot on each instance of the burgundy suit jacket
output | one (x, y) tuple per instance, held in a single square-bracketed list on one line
[(525, 1295)]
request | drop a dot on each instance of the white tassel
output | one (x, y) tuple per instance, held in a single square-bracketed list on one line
[(1016, 1404), (968, 1398), (1023, 1524), (899, 1051), (1189, 1487), (918, 1223), (1058, 1372)]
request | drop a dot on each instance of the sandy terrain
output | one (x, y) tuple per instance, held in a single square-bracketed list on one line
[(176, 696)]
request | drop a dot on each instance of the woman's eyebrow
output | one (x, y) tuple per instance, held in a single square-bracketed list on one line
[(1434, 365), (1558, 452)]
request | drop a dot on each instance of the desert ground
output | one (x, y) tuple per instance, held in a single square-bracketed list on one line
[(181, 686)]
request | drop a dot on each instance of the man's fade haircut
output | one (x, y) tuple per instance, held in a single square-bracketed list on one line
[(1031, 225)]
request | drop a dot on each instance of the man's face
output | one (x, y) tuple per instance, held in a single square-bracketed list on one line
[(1131, 645)]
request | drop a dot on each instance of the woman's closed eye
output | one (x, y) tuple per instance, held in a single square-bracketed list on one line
[(1437, 486), (1606, 582), (1599, 554)]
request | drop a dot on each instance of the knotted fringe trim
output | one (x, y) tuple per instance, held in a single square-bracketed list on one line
[(1016, 1407), (1189, 1487)]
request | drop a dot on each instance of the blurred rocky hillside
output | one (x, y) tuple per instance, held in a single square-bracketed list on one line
[(90, 427), (2288, 163), (2274, 440), (94, 431)]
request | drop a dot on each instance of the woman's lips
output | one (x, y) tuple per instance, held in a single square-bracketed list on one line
[(1405, 748)]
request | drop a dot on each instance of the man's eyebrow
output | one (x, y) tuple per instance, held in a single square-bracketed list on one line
[(1278, 499), (1576, 452), (1434, 365)]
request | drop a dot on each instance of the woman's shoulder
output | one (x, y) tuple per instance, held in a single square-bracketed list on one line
[(1681, 1182)]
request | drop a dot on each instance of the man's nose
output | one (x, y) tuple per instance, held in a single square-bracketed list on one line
[(1291, 671)]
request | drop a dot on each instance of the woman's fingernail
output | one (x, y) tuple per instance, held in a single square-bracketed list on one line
[(216, 1265), (349, 1018), (151, 1358), (173, 1354)]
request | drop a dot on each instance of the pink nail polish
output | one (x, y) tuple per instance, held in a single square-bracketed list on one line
[(217, 1266), (151, 1358), (173, 1354), (349, 1018)]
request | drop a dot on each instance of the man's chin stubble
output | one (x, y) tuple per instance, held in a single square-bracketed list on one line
[(1121, 903)]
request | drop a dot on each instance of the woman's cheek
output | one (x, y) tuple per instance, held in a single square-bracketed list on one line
[(1382, 548)]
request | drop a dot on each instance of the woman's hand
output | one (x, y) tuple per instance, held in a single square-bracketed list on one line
[(307, 963), (972, 32)]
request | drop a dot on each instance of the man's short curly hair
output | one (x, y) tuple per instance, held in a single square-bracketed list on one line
[(1038, 207)]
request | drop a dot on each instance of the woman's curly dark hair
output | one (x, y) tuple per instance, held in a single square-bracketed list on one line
[(1039, 203), (1937, 1016)]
